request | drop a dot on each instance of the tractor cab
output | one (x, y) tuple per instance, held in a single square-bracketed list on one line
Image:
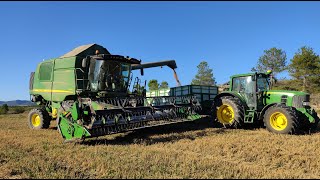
[(250, 87)]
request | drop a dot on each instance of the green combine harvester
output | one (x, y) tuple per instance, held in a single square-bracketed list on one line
[(250, 101), (87, 92)]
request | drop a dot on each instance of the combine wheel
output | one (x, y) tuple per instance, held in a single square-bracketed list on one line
[(38, 119), (228, 111), (281, 119)]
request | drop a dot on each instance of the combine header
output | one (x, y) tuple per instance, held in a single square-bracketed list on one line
[(87, 92)]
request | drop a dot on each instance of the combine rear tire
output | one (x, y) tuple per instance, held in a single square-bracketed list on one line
[(281, 119), (228, 111), (38, 119)]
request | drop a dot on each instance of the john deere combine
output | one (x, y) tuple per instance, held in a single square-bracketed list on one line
[(87, 92), (250, 101)]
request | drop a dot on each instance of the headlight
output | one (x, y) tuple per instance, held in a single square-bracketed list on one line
[(304, 103)]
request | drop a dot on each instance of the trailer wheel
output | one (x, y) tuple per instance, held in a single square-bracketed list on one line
[(38, 119), (281, 119), (228, 111)]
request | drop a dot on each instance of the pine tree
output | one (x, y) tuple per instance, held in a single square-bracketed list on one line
[(305, 68), (164, 85), (204, 75), (273, 59), (153, 84), (4, 109)]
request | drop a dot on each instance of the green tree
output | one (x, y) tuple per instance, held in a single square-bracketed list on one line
[(164, 85), (273, 59), (305, 68), (4, 109), (153, 84), (18, 109), (204, 75)]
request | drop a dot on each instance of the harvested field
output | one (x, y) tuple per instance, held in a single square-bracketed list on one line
[(187, 150)]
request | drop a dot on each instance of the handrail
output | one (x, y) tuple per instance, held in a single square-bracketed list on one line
[(83, 79)]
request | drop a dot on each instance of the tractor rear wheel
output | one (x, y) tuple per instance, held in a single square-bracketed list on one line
[(228, 111), (38, 119), (281, 119)]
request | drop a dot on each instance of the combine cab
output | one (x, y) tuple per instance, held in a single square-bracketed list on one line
[(87, 92)]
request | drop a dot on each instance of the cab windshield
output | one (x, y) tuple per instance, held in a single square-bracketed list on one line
[(108, 75)]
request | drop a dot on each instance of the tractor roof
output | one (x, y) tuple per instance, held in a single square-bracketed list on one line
[(86, 50), (242, 75), (249, 74)]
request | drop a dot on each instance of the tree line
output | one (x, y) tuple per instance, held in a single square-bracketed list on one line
[(4, 109), (303, 68)]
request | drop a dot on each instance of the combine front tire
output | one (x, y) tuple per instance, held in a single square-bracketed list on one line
[(228, 111), (281, 119), (38, 119)]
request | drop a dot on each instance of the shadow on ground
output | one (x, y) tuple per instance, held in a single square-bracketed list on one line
[(166, 133), (53, 128), (170, 133)]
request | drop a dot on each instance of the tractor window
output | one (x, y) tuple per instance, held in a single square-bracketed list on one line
[(246, 87), (45, 71), (242, 84), (263, 84)]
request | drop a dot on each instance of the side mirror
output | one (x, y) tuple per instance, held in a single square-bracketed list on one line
[(84, 62), (141, 72)]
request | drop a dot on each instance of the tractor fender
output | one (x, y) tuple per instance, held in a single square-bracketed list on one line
[(232, 94), (261, 114)]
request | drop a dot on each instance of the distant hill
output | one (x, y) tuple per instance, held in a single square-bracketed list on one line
[(17, 103)]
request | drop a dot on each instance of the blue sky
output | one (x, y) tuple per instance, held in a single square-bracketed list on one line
[(230, 36)]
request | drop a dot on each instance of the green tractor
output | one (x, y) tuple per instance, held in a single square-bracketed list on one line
[(87, 92), (250, 102)]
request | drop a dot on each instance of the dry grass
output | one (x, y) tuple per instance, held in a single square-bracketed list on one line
[(315, 101), (187, 150)]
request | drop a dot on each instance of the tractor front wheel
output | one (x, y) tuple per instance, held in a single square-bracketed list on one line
[(38, 119), (281, 119)]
